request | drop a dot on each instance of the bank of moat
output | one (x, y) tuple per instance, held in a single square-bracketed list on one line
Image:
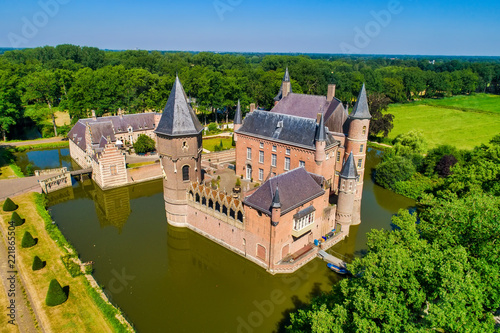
[(308, 151)]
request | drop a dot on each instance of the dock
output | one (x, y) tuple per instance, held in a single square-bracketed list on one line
[(331, 259)]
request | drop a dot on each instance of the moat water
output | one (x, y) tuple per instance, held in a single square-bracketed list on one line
[(168, 279)]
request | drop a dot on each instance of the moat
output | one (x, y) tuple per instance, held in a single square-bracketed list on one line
[(171, 279)]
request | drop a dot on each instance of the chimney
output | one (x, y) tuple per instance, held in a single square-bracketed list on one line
[(252, 107), (93, 115), (331, 92)]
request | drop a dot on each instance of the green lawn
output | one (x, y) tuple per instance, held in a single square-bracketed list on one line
[(478, 103), (211, 143), (440, 125)]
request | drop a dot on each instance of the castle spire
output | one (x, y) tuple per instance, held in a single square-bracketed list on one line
[(276, 199), (349, 169), (320, 131), (238, 118), (178, 117), (286, 87), (361, 110)]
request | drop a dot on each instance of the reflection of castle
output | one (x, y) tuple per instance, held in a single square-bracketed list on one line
[(112, 206), (307, 150)]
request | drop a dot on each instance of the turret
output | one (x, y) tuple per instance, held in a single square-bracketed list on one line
[(347, 193), (179, 145), (320, 141), (285, 89), (238, 118), (276, 208)]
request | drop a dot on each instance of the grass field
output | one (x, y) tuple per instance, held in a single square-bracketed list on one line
[(477, 103), (444, 122), (211, 143)]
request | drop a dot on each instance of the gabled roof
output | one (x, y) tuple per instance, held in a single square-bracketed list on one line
[(178, 117), (297, 131), (286, 78), (296, 188), (349, 169), (238, 118), (361, 110)]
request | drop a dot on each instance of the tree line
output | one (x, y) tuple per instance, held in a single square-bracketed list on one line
[(80, 79)]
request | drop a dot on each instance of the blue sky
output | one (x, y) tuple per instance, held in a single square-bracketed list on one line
[(323, 26)]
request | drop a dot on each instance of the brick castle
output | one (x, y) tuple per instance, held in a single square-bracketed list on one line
[(308, 152)]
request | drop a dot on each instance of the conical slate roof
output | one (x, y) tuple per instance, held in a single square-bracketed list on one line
[(349, 169), (320, 131), (178, 117), (238, 118), (276, 199), (286, 78), (361, 110)]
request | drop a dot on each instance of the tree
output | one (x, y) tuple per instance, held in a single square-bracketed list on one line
[(403, 284), (444, 165), (410, 143), (394, 170), (144, 144), (41, 88), (381, 121), (55, 294), (9, 205), (28, 240), (10, 102)]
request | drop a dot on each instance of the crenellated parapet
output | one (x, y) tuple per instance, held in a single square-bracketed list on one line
[(217, 204)]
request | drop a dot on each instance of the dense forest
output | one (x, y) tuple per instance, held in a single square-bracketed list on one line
[(35, 82)]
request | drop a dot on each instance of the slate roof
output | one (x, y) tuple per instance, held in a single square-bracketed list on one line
[(238, 118), (286, 78), (320, 130), (112, 125), (296, 188), (349, 169), (178, 117), (276, 199), (297, 131), (361, 110)]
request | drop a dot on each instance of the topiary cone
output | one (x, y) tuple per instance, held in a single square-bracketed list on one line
[(9, 205), (28, 240), (55, 294), (17, 219), (37, 264)]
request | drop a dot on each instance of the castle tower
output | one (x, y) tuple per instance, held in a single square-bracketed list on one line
[(275, 220), (285, 89), (238, 120), (347, 193), (356, 143), (179, 145), (320, 143)]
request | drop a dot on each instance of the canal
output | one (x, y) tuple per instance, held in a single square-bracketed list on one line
[(172, 279)]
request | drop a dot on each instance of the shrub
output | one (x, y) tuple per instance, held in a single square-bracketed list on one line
[(9, 205), (37, 264), (233, 143), (410, 143), (55, 294), (17, 219), (394, 170), (238, 182), (144, 144), (72, 267), (28, 240), (212, 127)]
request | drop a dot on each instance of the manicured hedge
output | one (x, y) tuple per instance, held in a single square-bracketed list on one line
[(9, 205), (28, 240), (17, 219), (55, 294), (37, 264)]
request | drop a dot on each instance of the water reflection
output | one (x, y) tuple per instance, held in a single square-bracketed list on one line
[(172, 279), (46, 159)]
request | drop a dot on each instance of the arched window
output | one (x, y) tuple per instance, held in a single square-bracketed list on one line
[(210, 204), (197, 197), (231, 213), (185, 172), (203, 201), (240, 216), (217, 206), (364, 130), (224, 210)]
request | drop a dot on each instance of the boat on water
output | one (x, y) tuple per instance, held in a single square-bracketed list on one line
[(337, 269)]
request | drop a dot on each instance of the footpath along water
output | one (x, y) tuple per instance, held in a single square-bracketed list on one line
[(172, 279)]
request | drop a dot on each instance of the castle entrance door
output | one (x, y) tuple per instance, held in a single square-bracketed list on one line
[(249, 172)]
